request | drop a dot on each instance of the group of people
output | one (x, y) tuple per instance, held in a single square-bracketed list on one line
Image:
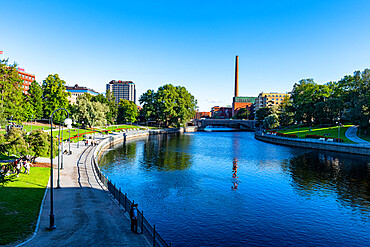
[(16, 167), (92, 143)]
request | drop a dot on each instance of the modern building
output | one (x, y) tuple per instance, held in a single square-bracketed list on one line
[(122, 90), (76, 91), (269, 100), (27, 79), (202, 114)]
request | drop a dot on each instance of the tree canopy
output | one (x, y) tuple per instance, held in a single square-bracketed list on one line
[(170, 105), (127, 111), (54, 96)]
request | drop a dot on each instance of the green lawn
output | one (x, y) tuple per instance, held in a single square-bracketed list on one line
[(332, 131), (20, 202), (35, 127)]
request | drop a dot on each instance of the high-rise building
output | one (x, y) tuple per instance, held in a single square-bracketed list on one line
[(27, 79), (122, 90)]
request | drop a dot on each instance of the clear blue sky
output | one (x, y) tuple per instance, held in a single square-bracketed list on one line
[(188, 43)]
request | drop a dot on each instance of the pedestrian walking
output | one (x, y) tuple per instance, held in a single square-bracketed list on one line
[(27, 166), (133, 217), (18, 167)]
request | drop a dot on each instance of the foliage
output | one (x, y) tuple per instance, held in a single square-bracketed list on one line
[(35, 98), (170, 105), (10, 88), (243, 113), (262, 113), (39, 144), (13, 142), (127, 111), (93, 113), (54, 97), (271, 121)]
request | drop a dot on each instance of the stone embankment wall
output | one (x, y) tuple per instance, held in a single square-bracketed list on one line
[(314, 144), (110, 141)]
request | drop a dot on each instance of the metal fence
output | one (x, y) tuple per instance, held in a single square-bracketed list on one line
[(146, 228)]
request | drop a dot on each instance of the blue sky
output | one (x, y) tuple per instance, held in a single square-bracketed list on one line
[(188, 43)]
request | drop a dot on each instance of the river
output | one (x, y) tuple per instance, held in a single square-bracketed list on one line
[(228, 189)]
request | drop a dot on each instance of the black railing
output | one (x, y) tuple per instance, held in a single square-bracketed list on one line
[(145, 227)]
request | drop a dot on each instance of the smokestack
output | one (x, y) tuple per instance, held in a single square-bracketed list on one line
[(236, 76)]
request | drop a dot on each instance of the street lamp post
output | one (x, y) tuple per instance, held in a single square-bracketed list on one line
[(59, 151), (78, 134), (338, 127), (69, 140), (67, 121), (62, 147)]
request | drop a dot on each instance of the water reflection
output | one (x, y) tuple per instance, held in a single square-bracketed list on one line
[(123, 155), (162, 154), (346, 175), (235, 177)]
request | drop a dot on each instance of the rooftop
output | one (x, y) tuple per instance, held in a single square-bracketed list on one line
[(77, 87)]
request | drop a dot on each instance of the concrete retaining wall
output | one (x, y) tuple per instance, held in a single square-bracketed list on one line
[(110, 141), (314, 144)]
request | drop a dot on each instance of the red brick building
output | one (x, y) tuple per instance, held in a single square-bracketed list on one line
[(27, 79), (221, 112), (202, 114)]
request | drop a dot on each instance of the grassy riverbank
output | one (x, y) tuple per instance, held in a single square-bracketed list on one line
[(327, 131), (20, 202)]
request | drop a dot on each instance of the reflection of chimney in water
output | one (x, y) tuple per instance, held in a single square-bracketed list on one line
[(236, 76)]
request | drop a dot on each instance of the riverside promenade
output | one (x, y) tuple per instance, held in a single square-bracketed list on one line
[(361, 148), (85, 212)]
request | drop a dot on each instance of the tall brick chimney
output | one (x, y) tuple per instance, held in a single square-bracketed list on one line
[(236, 76)]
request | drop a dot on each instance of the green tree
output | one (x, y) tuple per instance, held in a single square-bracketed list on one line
[(170, 105), (39, 144), (54, 97), (243, 113), (149, 109), (262, 113), (92, 113), (27, 108), (127, 111), (35, 98), (13, 142), (10, 88), (286, 112)]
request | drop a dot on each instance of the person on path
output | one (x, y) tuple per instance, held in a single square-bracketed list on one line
[(133, 217), (18, 167), (27, 167)]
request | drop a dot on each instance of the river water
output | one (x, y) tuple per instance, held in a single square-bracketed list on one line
[(228, 189)]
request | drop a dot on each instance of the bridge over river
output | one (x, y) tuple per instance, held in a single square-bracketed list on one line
[(240, 124)]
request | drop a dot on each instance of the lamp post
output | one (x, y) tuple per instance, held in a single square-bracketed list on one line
[(59, 151), (69, 138), (67, 121), (298, 127), (78, 134), (85, 128), (338, 127), (62, 147)]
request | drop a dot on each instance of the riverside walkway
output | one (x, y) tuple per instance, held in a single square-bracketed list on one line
[(351, 134), (85, 213)]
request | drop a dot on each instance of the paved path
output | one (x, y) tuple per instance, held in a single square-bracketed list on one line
[(351, 134), (85, 213)]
